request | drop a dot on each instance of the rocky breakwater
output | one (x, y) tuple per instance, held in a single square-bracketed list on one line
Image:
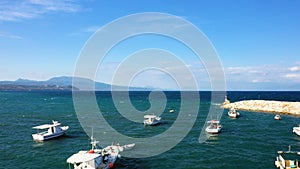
[(265, 106)]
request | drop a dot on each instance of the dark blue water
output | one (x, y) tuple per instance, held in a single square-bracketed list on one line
[(250, 141)]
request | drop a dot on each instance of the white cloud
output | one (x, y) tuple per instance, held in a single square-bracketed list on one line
[(11, 36), (294, 68), (292, 76), (239, 77), (260, 80), (92, 29), (262, 74), (27, 9), (255, 74)]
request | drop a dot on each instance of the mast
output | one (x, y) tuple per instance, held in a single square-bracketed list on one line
[(93, 142)]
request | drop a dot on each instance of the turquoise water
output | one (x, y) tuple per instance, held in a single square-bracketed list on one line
[(250, 141)]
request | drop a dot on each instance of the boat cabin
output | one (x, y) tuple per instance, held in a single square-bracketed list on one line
[(49, 128), (151, 119), (288, 160), (85, 160)]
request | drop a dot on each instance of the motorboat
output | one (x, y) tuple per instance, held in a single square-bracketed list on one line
[(213, 127), (91, 159), (151, 120), (277, 117), (97, 158), (233, 113), (288, 159), (296, 130), (49, 131)]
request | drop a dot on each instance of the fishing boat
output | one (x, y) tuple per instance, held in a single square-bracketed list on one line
[(296, 130), (213, 127), (277, 117), (151, 120), (233, 113), (98, 158), (288, 159), (49, 131)]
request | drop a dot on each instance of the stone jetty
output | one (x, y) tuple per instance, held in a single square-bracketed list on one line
[(281, 107)]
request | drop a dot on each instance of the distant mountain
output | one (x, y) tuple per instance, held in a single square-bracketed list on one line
[(61, 83)]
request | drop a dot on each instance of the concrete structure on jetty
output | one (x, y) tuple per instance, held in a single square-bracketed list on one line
[(281, 107)]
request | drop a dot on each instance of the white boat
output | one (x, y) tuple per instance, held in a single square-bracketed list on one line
[(213, 127), (97, 158), (171, 110), (277, 117), (110, 154), (151, 120), (296, 130), (288, 159), (233, 113), (49, 131)]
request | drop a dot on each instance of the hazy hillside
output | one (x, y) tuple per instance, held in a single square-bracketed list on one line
[(59, 83)]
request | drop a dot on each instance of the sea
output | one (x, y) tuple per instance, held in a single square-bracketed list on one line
[(250, 141)]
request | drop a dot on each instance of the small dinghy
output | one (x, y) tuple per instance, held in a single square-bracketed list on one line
[(277, 117), (233, 113)]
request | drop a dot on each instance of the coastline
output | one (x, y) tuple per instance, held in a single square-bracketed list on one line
[(269, 106)]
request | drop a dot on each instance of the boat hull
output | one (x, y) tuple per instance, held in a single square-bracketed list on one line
[(296, 130), (277, 117), (233, 114), (43, 137), (146, 123), (213, 131)]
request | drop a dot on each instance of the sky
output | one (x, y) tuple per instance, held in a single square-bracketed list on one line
[(257, 42)]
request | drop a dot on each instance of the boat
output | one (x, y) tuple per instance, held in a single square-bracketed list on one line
[(151, 120), (50, 131), (233, 113), (97, 158), (213, 127), (296, 130), (277, 117), (288, 159)]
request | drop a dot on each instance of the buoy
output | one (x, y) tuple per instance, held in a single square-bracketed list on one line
[(111, 165), (91, 152)]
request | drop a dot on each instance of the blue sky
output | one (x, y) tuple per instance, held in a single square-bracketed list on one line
[(258, 42)]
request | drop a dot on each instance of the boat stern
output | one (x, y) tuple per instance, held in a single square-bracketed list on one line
[(64, 128)]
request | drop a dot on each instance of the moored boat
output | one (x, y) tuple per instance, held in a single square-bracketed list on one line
[(151, 120), (288, 159), (233, 113), (213, 127), (98, 158), (49, 131), (296, 130), (277, 117)]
